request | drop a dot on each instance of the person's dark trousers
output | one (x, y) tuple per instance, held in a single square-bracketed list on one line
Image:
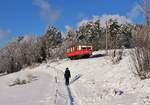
[(67, 81)]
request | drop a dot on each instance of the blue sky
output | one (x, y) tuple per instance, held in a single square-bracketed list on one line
[(21, 17)]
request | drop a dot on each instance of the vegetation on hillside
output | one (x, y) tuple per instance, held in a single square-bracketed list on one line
[(27, 50)]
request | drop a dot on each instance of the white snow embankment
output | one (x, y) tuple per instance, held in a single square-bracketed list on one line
[(104, 83), (94, 81), (41, 90)]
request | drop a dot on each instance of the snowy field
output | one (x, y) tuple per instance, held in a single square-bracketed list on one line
[(94, 81)]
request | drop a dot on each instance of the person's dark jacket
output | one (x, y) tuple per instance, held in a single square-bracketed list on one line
[(67, 74)]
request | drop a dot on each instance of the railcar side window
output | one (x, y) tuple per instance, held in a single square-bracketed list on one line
[(86, 48), (72, 49), (79, 48), (89, 48), (68, 50), (83, 48)]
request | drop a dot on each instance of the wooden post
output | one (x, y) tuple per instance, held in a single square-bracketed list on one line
[(106, 40), (146, 11)]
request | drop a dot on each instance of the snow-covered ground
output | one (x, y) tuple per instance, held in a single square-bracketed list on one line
[(94, 81)]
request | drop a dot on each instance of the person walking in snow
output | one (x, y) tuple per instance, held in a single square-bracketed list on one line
[(67, 75)]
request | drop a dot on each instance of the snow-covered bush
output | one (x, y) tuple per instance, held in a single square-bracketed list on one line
[(20, 53), (141, 53), (116, 55), (21, 80)]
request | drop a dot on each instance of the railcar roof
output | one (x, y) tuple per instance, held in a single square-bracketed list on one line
[(80, 45)]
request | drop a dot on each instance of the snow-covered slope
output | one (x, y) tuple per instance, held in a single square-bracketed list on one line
[(94, 81), (42, 90)]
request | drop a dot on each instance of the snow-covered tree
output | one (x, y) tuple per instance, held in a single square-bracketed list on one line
[(52, 39)]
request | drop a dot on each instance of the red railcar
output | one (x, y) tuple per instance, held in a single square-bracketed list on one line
[(79, 51)]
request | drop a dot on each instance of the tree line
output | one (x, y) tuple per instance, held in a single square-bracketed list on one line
[(26, 50)]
